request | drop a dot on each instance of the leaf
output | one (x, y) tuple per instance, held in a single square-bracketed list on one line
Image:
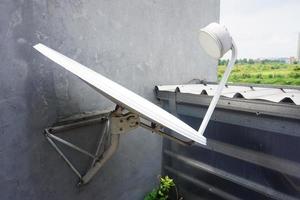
[(162, 192)]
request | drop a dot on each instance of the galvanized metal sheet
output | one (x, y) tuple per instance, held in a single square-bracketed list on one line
[(247, 92)]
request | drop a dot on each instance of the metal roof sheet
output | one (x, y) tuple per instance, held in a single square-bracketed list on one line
[(271, 94)]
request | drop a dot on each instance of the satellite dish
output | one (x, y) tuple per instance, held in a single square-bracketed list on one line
[(216, 41), (122, 96)]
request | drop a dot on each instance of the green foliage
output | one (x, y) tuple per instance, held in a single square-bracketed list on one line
[(223, 62), (275, 67), (297, 68), (251, 61), (163, 191), (259, 76), (294, 74), (245, 75), (279, 76), (153, 195), (267, 72)]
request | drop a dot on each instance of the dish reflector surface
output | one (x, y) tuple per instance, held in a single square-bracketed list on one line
[(122, 96)]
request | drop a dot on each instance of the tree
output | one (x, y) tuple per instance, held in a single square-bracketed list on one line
[(251, 61), (223, 62)]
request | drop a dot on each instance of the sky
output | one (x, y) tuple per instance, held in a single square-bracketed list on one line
[(262, 28)]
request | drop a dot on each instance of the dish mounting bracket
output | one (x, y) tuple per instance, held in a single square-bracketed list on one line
[(115, 123)]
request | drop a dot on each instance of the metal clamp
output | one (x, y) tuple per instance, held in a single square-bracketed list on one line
[(125, 123)]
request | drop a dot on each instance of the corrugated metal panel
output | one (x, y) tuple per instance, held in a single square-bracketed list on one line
[(252, 149), (233, 91)]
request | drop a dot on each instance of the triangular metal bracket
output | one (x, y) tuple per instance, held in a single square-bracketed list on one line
[(83, 120), (117, 123)]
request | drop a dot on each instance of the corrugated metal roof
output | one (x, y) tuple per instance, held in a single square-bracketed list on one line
[(271, 94)]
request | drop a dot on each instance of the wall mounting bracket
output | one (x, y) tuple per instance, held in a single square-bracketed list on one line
[(117, 122)]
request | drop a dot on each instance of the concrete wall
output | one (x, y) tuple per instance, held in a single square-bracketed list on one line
[(136, 43)]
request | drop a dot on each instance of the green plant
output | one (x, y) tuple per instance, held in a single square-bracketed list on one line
[(245, 75), (294, 74), (258, 75), (279, 76), (264, 72), (162, 192), (297, 68)]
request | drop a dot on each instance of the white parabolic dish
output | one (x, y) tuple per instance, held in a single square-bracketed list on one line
[(122, 96)]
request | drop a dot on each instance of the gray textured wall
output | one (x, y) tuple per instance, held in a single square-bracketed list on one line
[(137, 43)]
